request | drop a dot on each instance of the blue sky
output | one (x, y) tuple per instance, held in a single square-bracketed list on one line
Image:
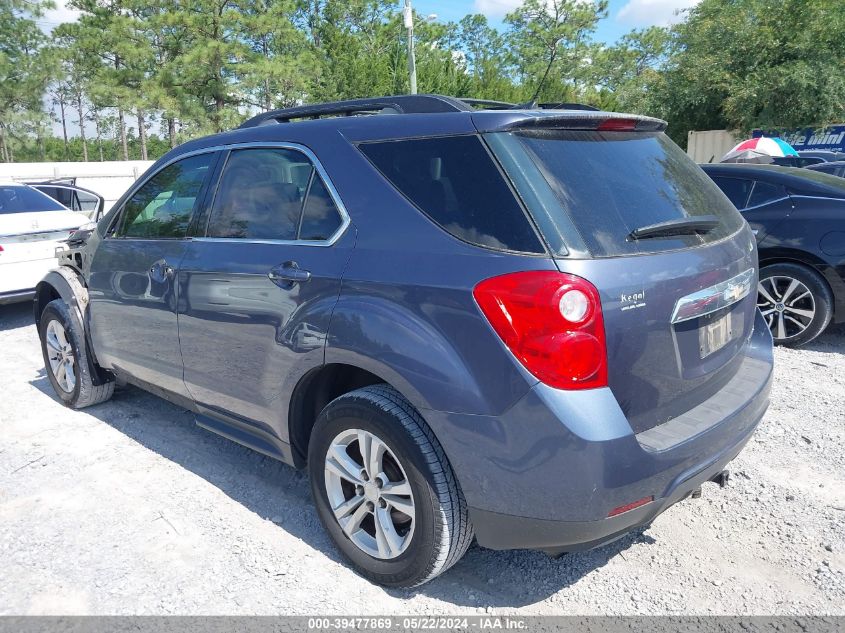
[(623, 15)]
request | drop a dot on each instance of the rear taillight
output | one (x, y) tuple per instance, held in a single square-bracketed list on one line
[(552, 322)]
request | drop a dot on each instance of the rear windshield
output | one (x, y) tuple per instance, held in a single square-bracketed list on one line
[(20, 199), (611, 183), (456, 183)]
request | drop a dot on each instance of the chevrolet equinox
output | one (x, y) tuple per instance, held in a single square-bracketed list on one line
[(532, 327)]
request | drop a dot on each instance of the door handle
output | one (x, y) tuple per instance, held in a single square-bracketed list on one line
[(288, 274), (161, 271)]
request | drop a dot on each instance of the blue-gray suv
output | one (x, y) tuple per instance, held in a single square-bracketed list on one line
[(468, 320)]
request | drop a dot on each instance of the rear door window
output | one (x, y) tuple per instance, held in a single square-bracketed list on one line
[(611, 183), (764, 193), (257, 198), (737, 190), (456, 183)]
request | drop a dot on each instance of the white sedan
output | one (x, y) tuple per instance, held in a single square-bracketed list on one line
[(32, 225)]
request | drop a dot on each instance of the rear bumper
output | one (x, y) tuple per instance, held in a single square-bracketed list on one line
[(546, 474), (502, 531)]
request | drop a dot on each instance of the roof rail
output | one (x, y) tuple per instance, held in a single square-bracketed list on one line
[(397, 104)]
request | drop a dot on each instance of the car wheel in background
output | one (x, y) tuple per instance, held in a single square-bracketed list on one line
[(795, 301), (66, 358), (384, 490)]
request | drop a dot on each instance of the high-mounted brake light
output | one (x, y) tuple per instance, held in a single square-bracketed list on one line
[(617, 125), (552, 322)]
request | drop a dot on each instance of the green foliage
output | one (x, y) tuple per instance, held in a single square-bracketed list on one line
[(194, 67), (549, 45), (359, 46), (25, 70), (482, 58), (627, 71), (54, 150), (735, 64), (758, 63), (281, 67)]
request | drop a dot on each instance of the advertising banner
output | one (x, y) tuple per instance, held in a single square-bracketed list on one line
[(831, 137)]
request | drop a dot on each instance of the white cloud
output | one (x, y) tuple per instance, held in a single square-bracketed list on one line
[(61, 14), (496, 8), (652, 12)]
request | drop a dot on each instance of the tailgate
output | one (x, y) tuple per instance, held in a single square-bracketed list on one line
[(676, 324), (674, 262)]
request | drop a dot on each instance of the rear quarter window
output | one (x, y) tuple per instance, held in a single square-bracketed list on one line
[(455, 182)]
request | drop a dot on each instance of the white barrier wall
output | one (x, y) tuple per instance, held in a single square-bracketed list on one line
[(110, 179)]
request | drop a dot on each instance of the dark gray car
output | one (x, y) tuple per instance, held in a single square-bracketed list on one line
[(536, 328)]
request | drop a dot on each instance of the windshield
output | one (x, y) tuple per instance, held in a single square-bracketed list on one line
[(608, 184), (820, 177), (23, 199)]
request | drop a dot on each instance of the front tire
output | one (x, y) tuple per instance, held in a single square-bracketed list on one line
[(795, 301), (384, 490), (66, 358)]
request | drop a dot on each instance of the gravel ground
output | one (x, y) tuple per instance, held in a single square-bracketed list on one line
[(129, 508)]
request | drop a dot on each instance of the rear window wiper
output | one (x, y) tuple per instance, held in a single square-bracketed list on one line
[(681, 226)]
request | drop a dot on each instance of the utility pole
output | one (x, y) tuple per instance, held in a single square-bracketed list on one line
[(412, 62)]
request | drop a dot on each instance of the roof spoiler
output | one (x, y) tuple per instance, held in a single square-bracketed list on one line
[(571, 120)]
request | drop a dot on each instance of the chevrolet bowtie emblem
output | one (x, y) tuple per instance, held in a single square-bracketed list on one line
[(732, 292)]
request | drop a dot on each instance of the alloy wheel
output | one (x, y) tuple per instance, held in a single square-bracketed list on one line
[(369, 494), (787, 305), (60, 355)]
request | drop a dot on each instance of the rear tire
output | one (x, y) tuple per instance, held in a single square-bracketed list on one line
[(411, 461), (66, 358)]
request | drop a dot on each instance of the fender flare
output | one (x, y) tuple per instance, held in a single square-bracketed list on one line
[(68, 284), (65, 282)]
